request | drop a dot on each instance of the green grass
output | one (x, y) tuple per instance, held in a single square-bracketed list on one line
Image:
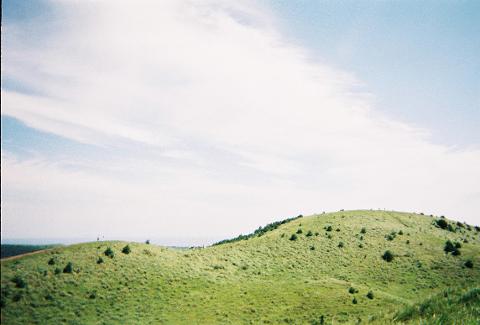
[(265, 278)]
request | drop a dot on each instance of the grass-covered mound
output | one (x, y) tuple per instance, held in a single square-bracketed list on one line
[(336, 269)]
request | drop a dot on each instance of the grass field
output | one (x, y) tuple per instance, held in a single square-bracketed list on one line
[(332, 270)]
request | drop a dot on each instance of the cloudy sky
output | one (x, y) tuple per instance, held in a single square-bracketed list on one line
[(201, 120)]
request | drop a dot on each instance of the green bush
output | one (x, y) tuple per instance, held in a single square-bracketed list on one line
[(68, 268), (352, 290), (147, 242), (293, 237), (99, 260), (453, 248), (370, 295), (363, 230), (57, 271), (328, 228), (309, 233), (341, 245), (354, 301), (109, 252), (387, 256), (441, 223), (19, 281), (469, 264), (312, 248), (126, 250), (51, 261), (299, 231)]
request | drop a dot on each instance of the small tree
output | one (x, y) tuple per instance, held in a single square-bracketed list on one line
[(442, 223), (363, 230), (19, 281), (354, 301), (99, 260), (51, 261), (126, 250), (293, 237), (299, 231), (328, 228), (109, 252), (340, 244), (147, 242), (469, 264), (68, 268), (370, 295), (309, 233), (387, 256)]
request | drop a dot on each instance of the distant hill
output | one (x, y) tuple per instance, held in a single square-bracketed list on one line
[(8, 250), (345, 267)]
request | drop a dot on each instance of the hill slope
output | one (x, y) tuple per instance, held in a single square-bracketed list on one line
[(327, 270)]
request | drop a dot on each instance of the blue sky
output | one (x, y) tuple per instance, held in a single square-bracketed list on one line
[(419, 58), (219, 117)]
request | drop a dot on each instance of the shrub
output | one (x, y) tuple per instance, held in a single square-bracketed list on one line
[(441, 223), (363, 230), (400, 232), (99, 260), (458, 245), (450, 228), (341, 245), (387, 256), (93, 295), (456, 252), (126, 250), (109, 252), (354, 301), (337, 230), (19, 281), (453, 248), (370, 295), (352, 290), (293, 237), (317, 233), (309, 233), (147, 242), (68, 268), (408, 242), (469, 264), (312, 248), (299, 231), (51, 261), (328, 228), (360, 245), (57, 271)]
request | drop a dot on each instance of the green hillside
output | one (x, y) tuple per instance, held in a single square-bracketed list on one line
[(329, 268)]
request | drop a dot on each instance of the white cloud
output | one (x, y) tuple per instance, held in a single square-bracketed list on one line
[(239, 127)]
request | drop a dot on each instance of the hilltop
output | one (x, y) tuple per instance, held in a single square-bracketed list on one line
[(347, 266)]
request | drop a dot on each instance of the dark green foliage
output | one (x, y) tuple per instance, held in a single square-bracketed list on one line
[(363, 230), (109, 252), (299, 231), (147, 242), (450, 228), (57, 271), (328, 228), (293, 237), (453, 248), (370, 295), (16, 297), (99, 260), (408, 242), (317, 233), (391, 236), (68, 268), (7, 250), (354, 301), (352, 290), (459, 224), (337, 230), (312, 248), (309, 233), (92, 295), (441, 223), (400, 232), (387, 256), (259, 232), (19, 281), (341, 245), (126, 250), (360, 245), (469, 264), (51, 261)]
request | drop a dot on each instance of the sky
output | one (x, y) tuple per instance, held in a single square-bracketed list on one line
[(191, 121)]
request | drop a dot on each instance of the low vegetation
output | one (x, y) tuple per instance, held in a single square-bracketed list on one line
[(276, 276)]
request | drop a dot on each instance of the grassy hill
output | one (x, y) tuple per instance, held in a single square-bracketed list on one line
[(329, 268)]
